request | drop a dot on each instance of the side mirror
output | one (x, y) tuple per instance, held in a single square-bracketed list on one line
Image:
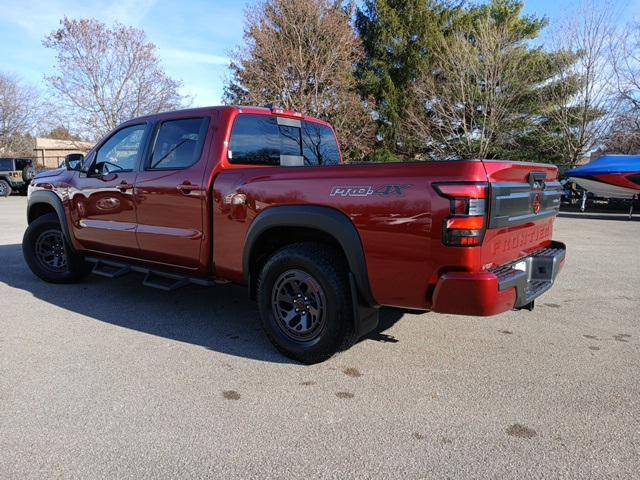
[(74, 161)]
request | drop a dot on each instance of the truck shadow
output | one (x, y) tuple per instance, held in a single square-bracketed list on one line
[(220, 318)]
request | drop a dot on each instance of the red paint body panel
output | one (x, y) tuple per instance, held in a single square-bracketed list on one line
[(103, 216), (198, 233), (177, 237), (401, 237), (465, 293)]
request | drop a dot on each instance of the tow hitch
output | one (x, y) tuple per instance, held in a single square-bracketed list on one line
[(529, 306)]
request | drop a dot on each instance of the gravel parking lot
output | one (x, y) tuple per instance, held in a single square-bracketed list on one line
[(108, 378)]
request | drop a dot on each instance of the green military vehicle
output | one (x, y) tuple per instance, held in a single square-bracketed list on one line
[(15, 175)]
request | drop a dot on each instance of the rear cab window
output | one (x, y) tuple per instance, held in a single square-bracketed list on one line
[(281, 141)]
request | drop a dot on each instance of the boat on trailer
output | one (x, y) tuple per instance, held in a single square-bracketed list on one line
[(610, 176)]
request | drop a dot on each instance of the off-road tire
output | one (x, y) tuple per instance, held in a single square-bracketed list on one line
[(324, 265), (74, 269), (5, 188), (28, 173)]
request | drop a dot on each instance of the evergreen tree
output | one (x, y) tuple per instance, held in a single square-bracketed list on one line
[(544, 117), (410, 68), (397, 36)]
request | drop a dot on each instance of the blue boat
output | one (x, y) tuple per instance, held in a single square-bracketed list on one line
[(610, 176)]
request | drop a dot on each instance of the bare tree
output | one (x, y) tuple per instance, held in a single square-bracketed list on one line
[(461, 107), (584, 101), (60, 132), (19, 115), (299, 54), (107, 75), (624, 135)]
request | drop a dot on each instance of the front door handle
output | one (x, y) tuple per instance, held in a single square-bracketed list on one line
[(124, 186)]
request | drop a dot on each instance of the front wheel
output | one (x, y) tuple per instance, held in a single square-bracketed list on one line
[(47, 253), (305, 303), (5, 188)]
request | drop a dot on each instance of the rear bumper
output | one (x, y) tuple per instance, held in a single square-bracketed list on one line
[(501, 289)]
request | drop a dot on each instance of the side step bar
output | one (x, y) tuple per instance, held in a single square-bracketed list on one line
[(164, 281), (152, 278), (108, 269)]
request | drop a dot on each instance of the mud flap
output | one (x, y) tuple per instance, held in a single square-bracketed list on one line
[(365, 318)]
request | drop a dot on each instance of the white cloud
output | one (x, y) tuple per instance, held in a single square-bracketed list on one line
[(180, 55), (128, 12), (39, 17), (204, 95), (35, 17)]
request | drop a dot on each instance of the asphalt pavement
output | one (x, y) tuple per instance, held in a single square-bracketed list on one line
[(108, 378)]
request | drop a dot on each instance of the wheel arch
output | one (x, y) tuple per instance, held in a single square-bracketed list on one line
[(291, 224), (41, 203)]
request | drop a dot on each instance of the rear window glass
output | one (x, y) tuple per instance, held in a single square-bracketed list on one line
[(289, 140), (319, 145), (6, 164), (256, 140), (261, 140)]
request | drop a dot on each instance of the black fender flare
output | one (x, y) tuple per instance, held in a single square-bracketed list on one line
[(340, 227), (51, 199), (326, 219)]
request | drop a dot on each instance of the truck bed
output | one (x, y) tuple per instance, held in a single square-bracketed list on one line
[(400, 217)]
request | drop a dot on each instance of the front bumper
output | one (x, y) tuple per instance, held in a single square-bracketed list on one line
[(500, 289)]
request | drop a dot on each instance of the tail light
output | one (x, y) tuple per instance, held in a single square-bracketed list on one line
[(467, 223)]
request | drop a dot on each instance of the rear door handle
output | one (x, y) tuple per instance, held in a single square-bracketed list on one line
[(124, 186), (187, 187)]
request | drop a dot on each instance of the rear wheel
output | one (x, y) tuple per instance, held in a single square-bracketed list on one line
[(47, 253), (5, 188), (305, 304)]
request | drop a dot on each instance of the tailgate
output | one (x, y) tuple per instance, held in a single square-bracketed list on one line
[(518, 246), (523, 203)]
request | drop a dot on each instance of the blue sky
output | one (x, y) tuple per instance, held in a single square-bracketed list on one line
[(193, 36)]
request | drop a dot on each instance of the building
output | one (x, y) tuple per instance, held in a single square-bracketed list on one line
[(49, 152)]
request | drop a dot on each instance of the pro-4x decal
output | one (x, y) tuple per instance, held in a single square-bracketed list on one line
[(368, 190)]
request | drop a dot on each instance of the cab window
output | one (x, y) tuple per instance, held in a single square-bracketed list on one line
[(121, 152), (178, 143)]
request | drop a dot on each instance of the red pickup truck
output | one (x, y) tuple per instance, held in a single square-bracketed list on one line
[(261, 197)]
